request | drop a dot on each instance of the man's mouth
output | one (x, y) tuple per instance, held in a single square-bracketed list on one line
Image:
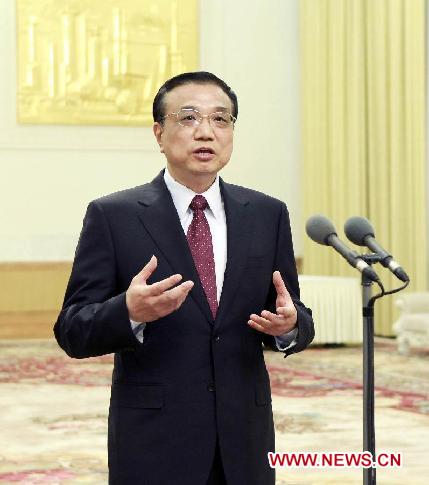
[(204, 150), (204, 154)]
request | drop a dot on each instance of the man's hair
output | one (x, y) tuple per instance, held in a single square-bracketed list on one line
[(199, 77)]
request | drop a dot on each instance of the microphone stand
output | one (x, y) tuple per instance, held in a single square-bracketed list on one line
[(369, 475)]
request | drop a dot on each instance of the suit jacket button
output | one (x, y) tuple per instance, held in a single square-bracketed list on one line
[(217, 338), (211, 388)]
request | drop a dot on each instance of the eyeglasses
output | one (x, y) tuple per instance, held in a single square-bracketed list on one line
[(191, 118)]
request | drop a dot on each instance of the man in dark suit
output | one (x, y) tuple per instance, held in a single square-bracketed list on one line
[(183, 279)]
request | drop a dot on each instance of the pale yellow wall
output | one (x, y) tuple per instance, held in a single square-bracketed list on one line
[(50, 173), (427, 144)]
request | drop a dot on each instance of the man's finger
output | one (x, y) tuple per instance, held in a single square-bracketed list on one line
[(269, 315), (261, 321), (270, 319), (286, 311), (256, 326), (148, 269), (178, 291), (184, 295), (160, 286)]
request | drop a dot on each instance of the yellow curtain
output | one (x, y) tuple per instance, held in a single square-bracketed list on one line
[(363, 112)]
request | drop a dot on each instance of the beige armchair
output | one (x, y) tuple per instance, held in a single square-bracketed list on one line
[(412, 326)]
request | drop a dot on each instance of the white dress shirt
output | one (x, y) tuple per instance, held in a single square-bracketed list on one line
[(215, 215)]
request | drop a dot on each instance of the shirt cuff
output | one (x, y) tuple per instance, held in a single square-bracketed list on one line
[(138, 329), (287, 340)]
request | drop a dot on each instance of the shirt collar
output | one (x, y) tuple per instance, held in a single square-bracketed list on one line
[(182, 195)]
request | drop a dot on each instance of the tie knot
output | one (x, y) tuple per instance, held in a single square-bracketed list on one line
[(198, 203)]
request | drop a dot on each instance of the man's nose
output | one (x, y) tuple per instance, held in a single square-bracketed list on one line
[(204, 130)]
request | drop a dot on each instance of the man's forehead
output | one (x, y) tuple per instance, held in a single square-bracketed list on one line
[(197, 95)]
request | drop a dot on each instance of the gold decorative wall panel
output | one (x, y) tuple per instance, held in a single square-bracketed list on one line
[(100, 61)]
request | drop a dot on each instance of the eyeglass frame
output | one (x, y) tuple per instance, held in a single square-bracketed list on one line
[(176, 113)]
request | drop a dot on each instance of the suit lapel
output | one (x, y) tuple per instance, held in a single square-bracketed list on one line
[(159, 216), (239, 232)]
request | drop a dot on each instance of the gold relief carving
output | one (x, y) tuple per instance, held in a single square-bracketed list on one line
[(100, 61)]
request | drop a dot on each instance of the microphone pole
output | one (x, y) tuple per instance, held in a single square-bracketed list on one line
[(352, 229), (369, 474)]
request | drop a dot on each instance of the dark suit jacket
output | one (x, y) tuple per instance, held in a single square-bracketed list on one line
[(193, 379)]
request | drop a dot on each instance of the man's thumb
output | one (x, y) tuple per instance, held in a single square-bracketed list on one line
[(148, 269)]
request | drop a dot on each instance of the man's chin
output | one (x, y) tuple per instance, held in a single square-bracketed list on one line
[(204, 168), (207, 167)]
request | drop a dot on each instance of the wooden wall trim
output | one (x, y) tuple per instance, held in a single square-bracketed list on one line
[(35, 265), (24, 325), (299, 262), (32, 297)]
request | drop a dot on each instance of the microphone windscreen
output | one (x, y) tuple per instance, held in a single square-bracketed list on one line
[(319, 228), (357, 228)]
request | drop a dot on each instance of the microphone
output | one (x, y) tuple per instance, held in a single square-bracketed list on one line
[(321, 230), (360, 231)]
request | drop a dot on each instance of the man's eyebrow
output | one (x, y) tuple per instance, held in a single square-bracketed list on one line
[(215, 110)]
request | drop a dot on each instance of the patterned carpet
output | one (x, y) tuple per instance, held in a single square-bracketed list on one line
[(54, 411)]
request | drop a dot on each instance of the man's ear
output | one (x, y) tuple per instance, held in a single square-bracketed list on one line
[(157, 131)]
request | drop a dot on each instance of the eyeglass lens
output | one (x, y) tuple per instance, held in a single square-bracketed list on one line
[(190, 117)]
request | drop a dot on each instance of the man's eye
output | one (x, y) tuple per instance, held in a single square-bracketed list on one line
[(188, 118), (220, 119)]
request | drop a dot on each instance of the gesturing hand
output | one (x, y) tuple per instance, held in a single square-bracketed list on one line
[(284, 320), (147, 303)]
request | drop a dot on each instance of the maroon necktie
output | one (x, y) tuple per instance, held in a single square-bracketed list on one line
[(200, 243)]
